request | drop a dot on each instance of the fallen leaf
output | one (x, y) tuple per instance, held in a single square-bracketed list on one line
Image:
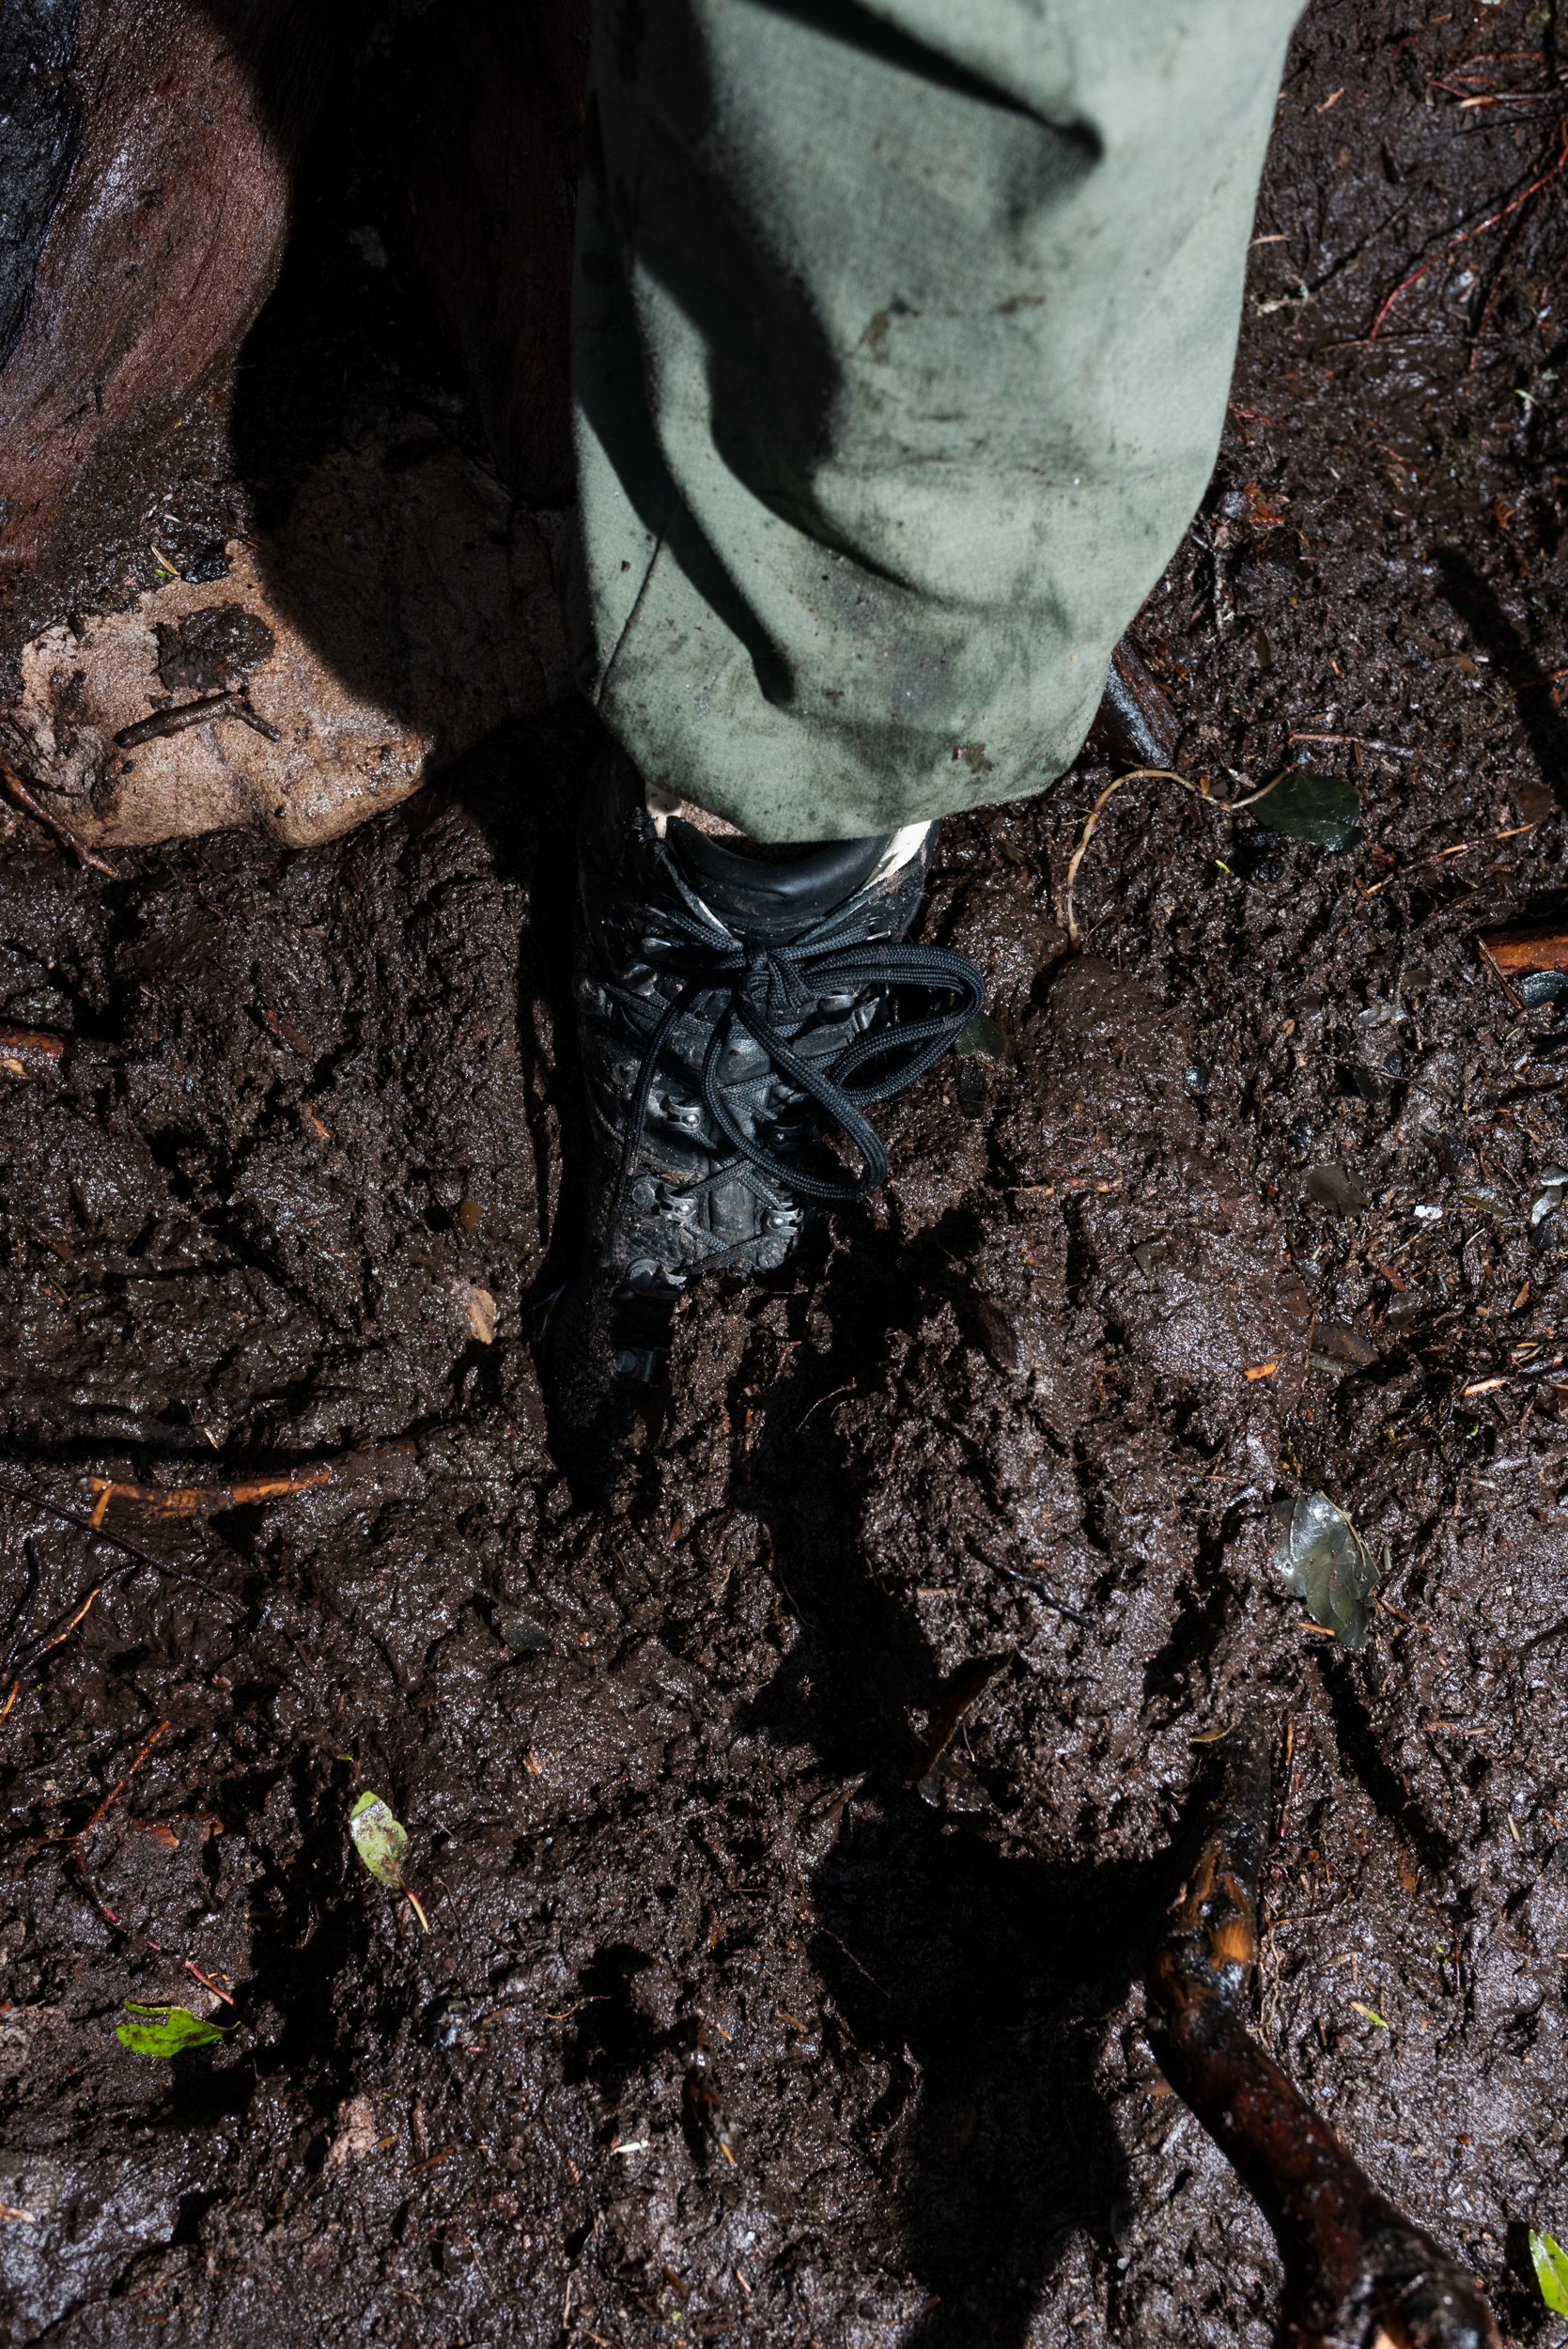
[(1550, 2263), (167, 2031), (381, 1841), (1343, 1342), (983, 1036), (1332, 1187), (1323, 809), (1325, 1564)]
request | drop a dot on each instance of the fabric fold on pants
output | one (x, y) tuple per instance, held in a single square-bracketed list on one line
[(903, 337)]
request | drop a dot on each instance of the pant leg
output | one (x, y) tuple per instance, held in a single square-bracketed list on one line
[(903, 334)]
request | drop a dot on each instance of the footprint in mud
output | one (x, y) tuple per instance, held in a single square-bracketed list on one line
[(1035, 1420), (1058, 1418)]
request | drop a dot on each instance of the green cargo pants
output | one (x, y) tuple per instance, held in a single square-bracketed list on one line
[(903, 337)]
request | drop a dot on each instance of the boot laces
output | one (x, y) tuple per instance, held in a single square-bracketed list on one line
[(771, 991)]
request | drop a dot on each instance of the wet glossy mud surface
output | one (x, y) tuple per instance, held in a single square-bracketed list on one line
[(735, 2021)]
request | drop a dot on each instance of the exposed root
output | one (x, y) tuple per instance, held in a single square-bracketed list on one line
[(32, 805), (188, 1501), (1357, 2271)]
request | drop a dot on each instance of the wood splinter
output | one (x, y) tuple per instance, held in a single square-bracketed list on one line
[(1358, 2274)]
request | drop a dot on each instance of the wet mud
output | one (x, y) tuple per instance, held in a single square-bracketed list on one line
[(744, 2013)]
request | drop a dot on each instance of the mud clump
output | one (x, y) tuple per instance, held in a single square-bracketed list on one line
[(213, 648)]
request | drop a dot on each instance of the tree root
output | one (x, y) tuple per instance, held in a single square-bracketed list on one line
[(1358, 2274)]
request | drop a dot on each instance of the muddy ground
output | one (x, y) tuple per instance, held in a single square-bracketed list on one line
[(723, 2030)]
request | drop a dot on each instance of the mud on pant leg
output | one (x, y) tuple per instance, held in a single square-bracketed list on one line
[(902, 342)]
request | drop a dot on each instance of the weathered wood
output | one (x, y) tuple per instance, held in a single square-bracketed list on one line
[(1516, 952)]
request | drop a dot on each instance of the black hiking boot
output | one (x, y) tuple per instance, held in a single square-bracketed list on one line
[(737, 1005)]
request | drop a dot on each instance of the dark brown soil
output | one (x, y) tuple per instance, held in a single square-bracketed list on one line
[(724, 2028)]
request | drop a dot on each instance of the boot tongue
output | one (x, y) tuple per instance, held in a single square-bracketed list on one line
[(778, 893)]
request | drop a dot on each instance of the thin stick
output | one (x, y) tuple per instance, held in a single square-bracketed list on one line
[(38, 1654), (1361, 741), (1149, 775), (119, 1541), (40, 815), (119, 1787), (207, 1983), (231, 703)]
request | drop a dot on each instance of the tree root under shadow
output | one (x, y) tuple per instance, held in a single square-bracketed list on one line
[(1358, 2274)]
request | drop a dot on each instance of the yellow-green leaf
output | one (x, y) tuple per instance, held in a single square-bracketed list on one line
[(380, 1840), (167, 2031), (1550, 2262)]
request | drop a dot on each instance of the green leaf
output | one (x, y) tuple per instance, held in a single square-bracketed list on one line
[(1325, 1564), (167, 2031), (1305, 805), (380, 1840), (984, 1039), (1550, 2263)]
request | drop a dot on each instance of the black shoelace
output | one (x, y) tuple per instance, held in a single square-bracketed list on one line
[(757, 987)]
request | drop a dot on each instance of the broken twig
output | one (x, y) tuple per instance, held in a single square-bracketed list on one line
[(23, 1050), (188, 1501), (228, 704), (119, 1540), (1514, 954)]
